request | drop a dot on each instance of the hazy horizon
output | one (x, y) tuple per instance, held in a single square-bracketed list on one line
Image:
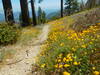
[(48, 6), (45, 5)]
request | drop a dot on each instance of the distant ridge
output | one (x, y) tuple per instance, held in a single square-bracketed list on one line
[(49, 12), (2, 18)]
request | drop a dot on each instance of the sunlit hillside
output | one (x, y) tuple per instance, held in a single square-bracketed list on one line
[(72, 49), (49, 37)]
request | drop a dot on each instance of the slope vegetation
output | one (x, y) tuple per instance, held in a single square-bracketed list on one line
[(72, 47)]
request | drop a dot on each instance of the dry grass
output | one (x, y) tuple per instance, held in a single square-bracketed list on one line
[(27, 37)]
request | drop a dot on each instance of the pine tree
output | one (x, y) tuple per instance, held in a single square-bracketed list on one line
[(39, 15), (75, 6), (24, 12), (8, 11), (43, 17), (72, 6), (40, 1)]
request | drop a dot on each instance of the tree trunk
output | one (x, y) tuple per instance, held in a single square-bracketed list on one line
[(82, 5), (33, 13), (8, 11), (61, 8), (24, 12), (91, 4)]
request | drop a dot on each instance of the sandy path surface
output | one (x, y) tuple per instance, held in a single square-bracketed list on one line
[(25, 58)]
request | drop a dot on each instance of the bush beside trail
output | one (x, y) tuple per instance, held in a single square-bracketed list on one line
[(8, 34)]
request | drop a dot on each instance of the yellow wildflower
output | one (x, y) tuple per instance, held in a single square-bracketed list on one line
[(56, 66), (66, 65), (60, 66), (73, 49), (69, 55), (66, 73), (62, 44), (96, 73), (84, 46), (60, 55), (70, 59), (76, 63), (82, 39), (59, 60), (43, 65), (91, 42), (67, 60), (79, 39), (64, 59), (93, 68)]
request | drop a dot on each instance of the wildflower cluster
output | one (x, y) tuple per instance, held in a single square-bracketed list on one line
[(66, 61), (69, 52)]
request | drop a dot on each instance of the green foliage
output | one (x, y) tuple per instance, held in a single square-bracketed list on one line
[(40, 1), (8, 34), (72, 6), (41, 16), (70, 51)]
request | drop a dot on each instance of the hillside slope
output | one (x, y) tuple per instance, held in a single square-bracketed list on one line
[(72, 47), (82, 19)]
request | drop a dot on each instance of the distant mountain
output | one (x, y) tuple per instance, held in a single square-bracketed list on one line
[(16, 16), (2, 18), (49, 14), (53, 14)]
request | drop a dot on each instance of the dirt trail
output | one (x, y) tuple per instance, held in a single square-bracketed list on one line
[(25, 58)]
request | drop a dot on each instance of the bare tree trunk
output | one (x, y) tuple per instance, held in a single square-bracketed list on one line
[(24, 12), (61, 8), (33, 13), (98, 2), (82, 5), (91, 3), (8, 11)]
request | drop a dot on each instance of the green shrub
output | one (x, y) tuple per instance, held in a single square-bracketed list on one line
[(8, 34)]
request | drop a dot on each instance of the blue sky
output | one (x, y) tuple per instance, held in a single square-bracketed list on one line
[(46, 4), (53, 5)]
